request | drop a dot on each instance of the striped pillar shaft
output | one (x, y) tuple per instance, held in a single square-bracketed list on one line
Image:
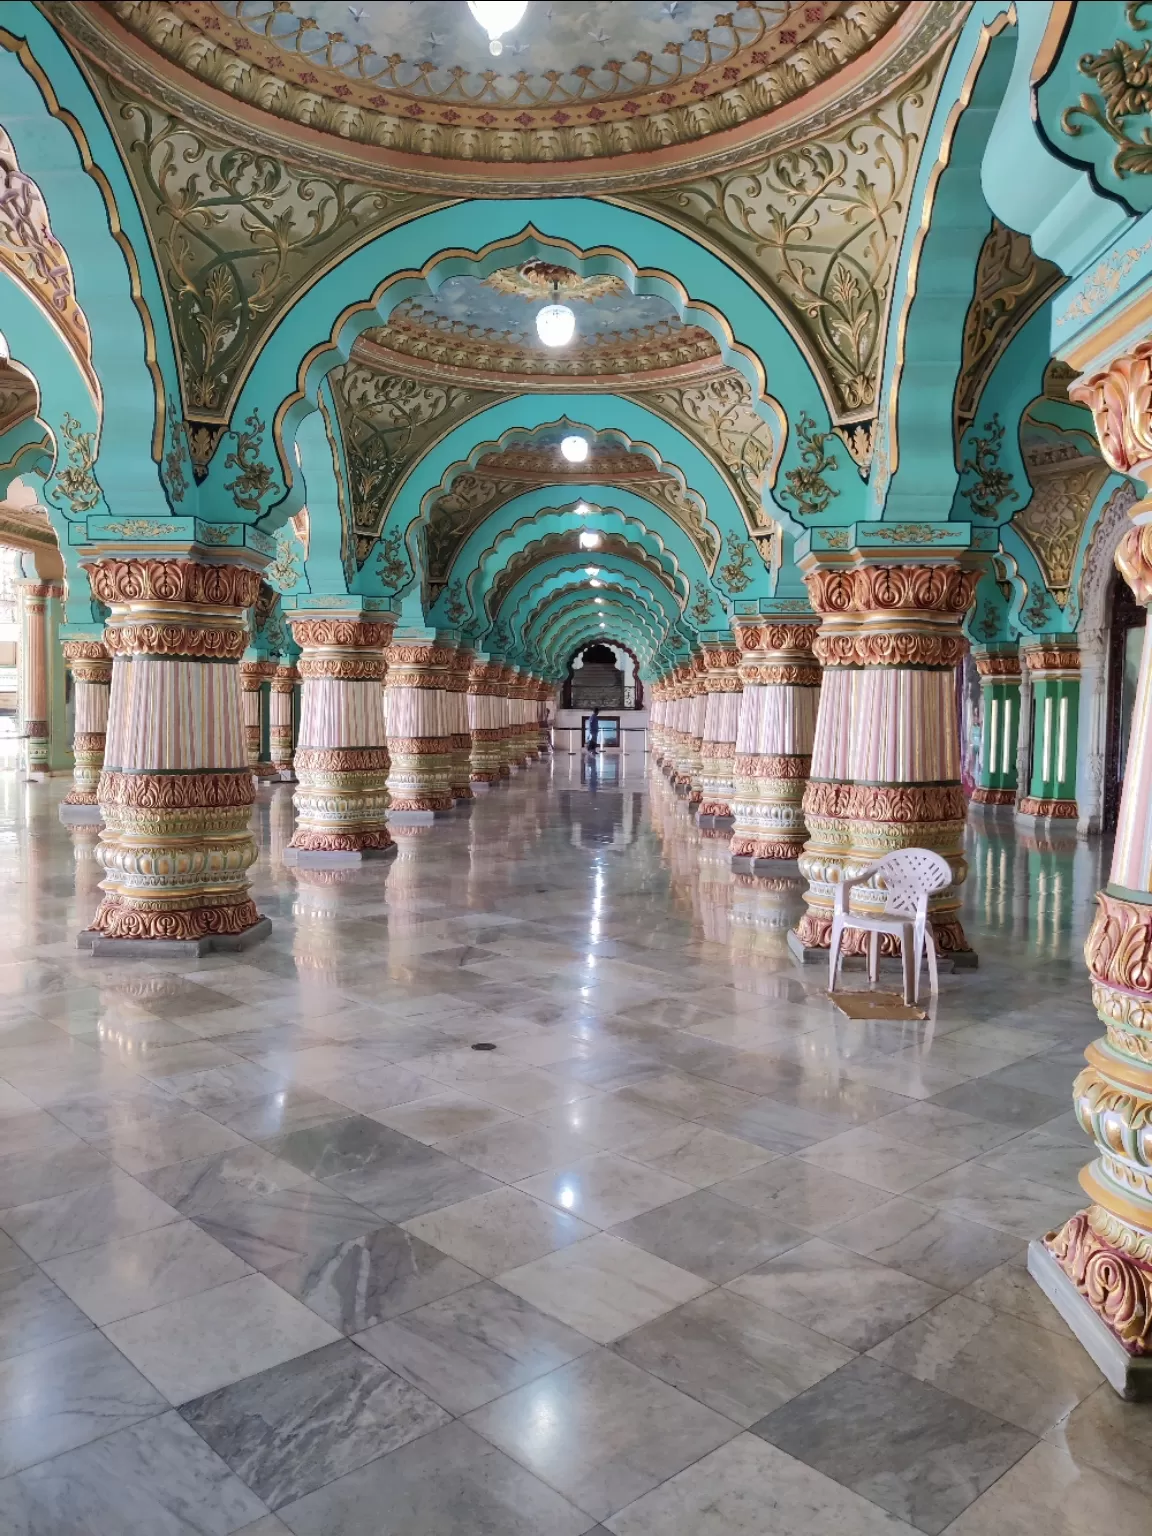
[(484, 726), (999, 671), (176, 791), (780, 679), (419, 734), (285, 681), (690, 765), (721, 721), (91, 668), (506, 713), (459, 731), (255, 676), (1097, 1267), (341, 756), (656, 710), (1053, 663), (886, 755), (35, 707)]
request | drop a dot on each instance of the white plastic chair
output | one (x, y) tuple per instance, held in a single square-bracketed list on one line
[(907, 879)]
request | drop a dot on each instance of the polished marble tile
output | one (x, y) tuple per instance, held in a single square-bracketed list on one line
[(1110, 1435), (867, 1155), (499, 1230), (696, 1154), (749, 1488), (1026, 1375), (736, 1357), (1013, 1205), (907, 1447), (1010, 1288), (844, 1295), (615, 1431), (116, 1207), (36, 1174), (1054, 1492), (135, 1274), (801, 1194), (605, 1188), (64, 1395), (356, 1281), (603, 1286), (452, 1482), (1017, 1107), (943, 1250), (297, 1426), (156, 1478), (710, 1236), (201, 1342), (518, 1148), (474, 1346), (607, 1120), (34, 1312)]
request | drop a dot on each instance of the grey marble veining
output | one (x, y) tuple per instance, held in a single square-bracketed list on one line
[(291, 1429), (663, 1068)]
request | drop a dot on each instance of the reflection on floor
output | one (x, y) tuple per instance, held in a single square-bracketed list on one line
[(687, 1254)]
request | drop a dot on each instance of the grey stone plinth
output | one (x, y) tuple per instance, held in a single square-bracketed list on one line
[(411, 818), (480, 786), (172, 949), (1059, 828), (335, 858), (81, 815), (718, 822), (1129, 1375)]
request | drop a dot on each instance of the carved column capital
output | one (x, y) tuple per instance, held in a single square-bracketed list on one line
[(1120, 399)]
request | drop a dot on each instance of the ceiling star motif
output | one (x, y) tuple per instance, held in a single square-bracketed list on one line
[(597, 83)]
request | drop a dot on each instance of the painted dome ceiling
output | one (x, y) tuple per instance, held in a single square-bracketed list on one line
[(611, 86), (484, 330)]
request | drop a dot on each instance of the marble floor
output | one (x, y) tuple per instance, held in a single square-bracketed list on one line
[(682, 1252)]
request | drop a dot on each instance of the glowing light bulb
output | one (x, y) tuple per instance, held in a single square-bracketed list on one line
[(581, 509), (596, 584), (590, 540), (555, 325), (497, 17), (591, 570), (574, 449), (599, 599)]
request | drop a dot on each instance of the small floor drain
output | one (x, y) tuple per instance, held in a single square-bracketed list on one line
[(483, 1045)]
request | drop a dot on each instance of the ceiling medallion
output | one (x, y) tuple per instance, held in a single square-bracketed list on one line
[(534, 279)]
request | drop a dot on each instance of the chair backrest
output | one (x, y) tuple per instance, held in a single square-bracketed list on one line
[(907, 876)]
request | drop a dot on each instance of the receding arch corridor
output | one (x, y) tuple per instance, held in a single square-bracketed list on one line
[(687, 1252)]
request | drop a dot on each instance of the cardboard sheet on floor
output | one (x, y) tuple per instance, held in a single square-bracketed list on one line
[(876, 1005)]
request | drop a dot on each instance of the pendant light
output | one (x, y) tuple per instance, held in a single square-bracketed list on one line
[(555, 323), (574, 449), (497, 17)]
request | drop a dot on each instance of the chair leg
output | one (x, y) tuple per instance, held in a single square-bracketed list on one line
[(873, 957), (834, 953), (933, 977), (907, 946)]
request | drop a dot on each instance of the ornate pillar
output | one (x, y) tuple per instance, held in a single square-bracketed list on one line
[(484, 730), (1053, 663), (285, 680), (780, 678), (254, 678), (657, 709), (456, 723), (999, 670), (176, 790), (39, 601), (419, 739), (1097, 1268), (506, 715), (688, 776), (91, 668), (886, 753), (721, 718), (341, 754)]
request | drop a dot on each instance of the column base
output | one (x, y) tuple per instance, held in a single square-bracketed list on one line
[(413, 818), (175, 949), (1048, 816), (334, 858), (83, 815), (1129, 1375), (993, 810), (747, 864), (715, 819)]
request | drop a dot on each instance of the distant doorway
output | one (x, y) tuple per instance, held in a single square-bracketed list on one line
[(1125, 642)]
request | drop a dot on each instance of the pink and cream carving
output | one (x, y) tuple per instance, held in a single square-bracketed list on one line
[(91, 668), (721, 719), (285, 681)]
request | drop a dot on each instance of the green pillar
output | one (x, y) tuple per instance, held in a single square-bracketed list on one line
[(999, 670), (1053, 663)]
